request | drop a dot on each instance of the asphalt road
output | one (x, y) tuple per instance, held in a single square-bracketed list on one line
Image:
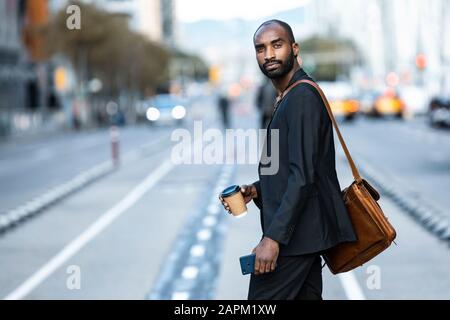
[(410, 151), (153, 229)]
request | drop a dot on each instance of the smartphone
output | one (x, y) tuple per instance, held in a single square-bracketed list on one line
[(247, 263)]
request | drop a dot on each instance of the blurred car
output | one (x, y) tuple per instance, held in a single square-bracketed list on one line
[(164, 109), (439, 112), (342, 98), (388, 103)]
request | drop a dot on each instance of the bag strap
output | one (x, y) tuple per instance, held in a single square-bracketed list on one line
[(355, 171)]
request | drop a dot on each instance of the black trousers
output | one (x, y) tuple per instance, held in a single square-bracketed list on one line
[(295, 278)]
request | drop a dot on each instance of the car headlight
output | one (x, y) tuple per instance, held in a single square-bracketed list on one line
[(178, 112), (152, 114)]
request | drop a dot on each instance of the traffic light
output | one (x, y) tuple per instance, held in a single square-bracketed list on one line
[(392, 79), (214, 74), (421, 61), (60, 79)]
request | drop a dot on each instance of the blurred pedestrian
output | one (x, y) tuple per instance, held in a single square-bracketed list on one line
[(265, 101), (302, 211), (76, 122), (224, 105)]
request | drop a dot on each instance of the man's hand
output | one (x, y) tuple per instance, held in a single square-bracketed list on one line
[(248, 191), (266, 256)]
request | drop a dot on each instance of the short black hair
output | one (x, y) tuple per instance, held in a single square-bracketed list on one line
[(283, 24)]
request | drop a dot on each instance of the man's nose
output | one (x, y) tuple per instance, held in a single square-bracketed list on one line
[(270, 54)]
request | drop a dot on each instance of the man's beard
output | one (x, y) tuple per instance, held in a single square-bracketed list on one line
[(282, 70)]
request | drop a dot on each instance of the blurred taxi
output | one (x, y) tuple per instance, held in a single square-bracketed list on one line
[(388, 103), (342, 98)]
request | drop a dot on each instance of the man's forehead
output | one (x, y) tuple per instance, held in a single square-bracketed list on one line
[(270, 32)]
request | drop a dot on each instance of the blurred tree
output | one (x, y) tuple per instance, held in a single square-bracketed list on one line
[(105, 48), (327, 59), (188, 66)]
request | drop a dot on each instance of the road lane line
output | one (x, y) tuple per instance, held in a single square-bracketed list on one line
[(204, 234), (197, 250), (190, 272), (180, 296), (351, 286), (96, 228)]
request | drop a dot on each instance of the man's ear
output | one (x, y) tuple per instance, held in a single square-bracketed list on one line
[(296, 49)]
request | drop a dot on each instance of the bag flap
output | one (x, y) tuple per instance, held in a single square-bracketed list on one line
[(373, 192)]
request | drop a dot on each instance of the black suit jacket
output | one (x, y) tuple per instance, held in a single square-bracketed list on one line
[(301, 203)]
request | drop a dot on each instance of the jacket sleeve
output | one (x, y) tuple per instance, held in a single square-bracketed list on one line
[(257, 200), (303, 115)]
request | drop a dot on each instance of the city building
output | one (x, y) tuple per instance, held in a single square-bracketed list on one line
[(391, 35), (23, 79)]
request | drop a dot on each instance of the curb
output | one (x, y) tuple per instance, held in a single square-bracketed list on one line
[(16, 216), (190, 270)]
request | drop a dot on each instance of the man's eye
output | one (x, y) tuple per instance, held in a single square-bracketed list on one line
[(259, 50), (277, 45)]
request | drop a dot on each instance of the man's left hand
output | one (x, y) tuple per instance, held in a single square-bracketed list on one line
[(266, 256)]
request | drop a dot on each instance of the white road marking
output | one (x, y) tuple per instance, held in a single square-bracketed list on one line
[(97, 227), (351, 286), (204, 234), (209, 221), (214, 208), (190, 272), (180, 296), (197, 250)]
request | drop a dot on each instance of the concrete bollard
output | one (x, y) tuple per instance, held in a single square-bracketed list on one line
[(114, 135)]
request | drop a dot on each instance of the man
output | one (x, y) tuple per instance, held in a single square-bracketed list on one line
[(302, 211)]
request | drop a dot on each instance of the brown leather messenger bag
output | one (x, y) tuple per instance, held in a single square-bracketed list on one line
[(373, 230)]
